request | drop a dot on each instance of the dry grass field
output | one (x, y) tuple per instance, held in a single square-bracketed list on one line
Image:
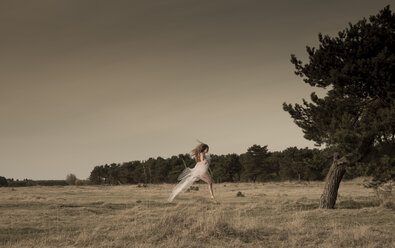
[(269, 215)]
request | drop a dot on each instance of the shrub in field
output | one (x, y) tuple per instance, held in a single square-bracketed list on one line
[(71, 179), (195, 188)]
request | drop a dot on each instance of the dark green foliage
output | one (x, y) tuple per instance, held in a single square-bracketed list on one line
[(126, 173), (357, 116), (50, 182), (28, 182), (226, 168), (308, 164), (303, 164), (257, 164), (3, 182), (153, 170), (254, 163), (71, 179)]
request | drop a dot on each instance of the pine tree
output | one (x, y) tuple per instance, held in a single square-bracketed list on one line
[(253, 162), (357, 116)]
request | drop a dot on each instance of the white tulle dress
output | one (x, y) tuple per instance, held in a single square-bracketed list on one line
[(188, 176)]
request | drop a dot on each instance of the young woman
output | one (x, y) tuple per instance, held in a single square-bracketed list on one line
[(200, 171)]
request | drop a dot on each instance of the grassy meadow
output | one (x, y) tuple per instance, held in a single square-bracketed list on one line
[(280, 214)]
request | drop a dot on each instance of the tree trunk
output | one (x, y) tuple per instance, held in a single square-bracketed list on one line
[(149, 173), (145, 174), (332, 182)]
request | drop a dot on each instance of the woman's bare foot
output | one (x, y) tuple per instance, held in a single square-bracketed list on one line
[(213, 199)]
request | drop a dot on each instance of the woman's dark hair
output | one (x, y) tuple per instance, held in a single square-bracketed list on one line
[(198, 149)]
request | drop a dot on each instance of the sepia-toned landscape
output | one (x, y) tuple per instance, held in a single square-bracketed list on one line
[(283, 214), (292, 104)]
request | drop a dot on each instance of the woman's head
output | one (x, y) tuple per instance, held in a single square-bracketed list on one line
[(202, 147), (205, 148)]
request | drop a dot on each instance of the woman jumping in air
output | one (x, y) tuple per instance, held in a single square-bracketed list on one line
[(200, 171)]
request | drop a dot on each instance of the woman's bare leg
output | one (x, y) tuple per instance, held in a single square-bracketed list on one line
[(205, 177)]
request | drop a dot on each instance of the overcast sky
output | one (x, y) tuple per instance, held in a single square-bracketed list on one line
[(84, 83)]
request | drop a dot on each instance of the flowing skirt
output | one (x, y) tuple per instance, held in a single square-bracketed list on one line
[(187, 177)]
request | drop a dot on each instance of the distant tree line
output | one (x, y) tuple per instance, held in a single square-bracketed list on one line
[(256, 165), (10, 182)]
